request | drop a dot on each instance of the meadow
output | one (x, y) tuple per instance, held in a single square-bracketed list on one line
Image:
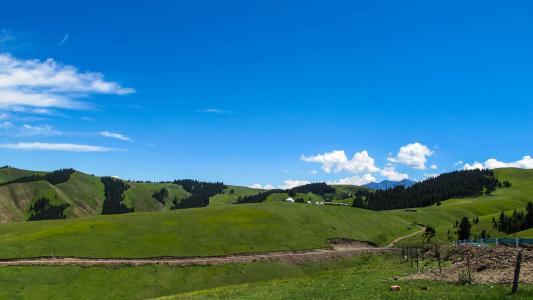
[(217, 230)]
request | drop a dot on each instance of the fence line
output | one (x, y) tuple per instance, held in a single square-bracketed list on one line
[(510, 242)]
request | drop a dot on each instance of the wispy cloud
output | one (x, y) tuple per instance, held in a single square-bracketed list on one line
[(64, 40), (114, 135), (32, 130), (214, 111), (48, 84), (37, 146), (5, 36)]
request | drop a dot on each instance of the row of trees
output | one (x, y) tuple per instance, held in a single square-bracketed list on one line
[(55, 177), (515, 222), (319, 188), (257, 198), (114, 195), (43, 210), (200, 193), (467, 183)]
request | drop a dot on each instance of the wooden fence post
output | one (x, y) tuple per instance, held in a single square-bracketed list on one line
[(517, 271), (438, 256), (417, 258), (468, 265)]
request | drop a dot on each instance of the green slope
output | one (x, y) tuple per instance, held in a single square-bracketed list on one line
[(231, 194), (485, 207), (139, 196), (8, 174), (216, 230)]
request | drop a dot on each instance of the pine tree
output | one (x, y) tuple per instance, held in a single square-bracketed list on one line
[(464, 229)]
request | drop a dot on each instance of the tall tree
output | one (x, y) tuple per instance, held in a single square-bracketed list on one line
[(464, 230)]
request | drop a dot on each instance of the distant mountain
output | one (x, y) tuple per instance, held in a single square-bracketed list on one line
[(388, 184)]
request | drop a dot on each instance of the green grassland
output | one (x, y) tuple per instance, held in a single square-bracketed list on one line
[(85, 195), (216, 230), (366, 277), (485, 207), (124, 282), (139, 196), (8, 174), (231, 194)]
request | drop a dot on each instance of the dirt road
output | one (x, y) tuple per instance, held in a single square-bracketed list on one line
[(298, 256), (406, 236)]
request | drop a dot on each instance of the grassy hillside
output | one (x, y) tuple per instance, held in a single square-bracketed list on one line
[(147, 282), (367, 277), (139, 196), (485, 207), (84, 194), (231, 193), (8, 174), (216, 230)]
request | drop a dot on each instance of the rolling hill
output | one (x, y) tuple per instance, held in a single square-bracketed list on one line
[(216, 230), (85, 195), (485, 207)]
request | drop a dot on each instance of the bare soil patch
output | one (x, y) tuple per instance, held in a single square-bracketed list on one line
[(487, 264)]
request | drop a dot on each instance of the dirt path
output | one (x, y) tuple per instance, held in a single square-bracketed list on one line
[(337, 251), (311, 255), (406, 236)]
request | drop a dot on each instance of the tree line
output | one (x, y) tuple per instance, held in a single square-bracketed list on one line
[(458, 184), (515, 222), (43, 210), (55, 177), (114, 195), (200, 193)]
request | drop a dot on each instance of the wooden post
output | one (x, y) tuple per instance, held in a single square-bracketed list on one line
[(517, 271), (468, 265), (516, 241), (417, 259), (438, 256), (411, 256)]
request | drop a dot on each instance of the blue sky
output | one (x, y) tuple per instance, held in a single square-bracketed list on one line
[(266, 92)]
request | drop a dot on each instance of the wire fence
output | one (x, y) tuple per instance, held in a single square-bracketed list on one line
[(509, 242)]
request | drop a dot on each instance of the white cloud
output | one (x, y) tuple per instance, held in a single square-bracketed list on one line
[(391, 174), (337, 161), (354, 180), (30, 130), (313, 172), (458, 163), (525, 163), (475, 165), (262, 187), (291, 183), (413, 155), (47, 84), (214, 111), (115, 135), (433, 167), (55, 147)]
